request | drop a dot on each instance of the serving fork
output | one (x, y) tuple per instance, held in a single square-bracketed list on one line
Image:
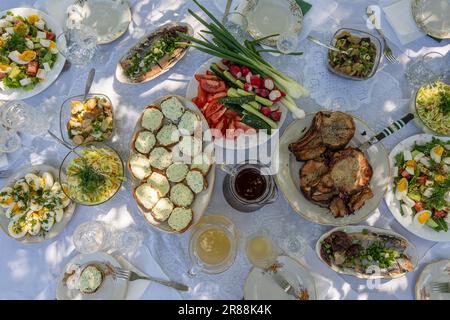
[(440, 287), (284, 284), (131, 276), (387, 51)]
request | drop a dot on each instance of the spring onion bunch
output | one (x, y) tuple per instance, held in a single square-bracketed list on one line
[(222, 44)]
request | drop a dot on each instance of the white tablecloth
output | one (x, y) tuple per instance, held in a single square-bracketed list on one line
[(30, 271)]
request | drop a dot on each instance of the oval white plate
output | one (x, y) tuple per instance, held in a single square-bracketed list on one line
[(411, 250), (109, 18), (191, 92), (119, 70), (261, 286), (202, 199), (57, 227), (394, 204), (288, 178), (18, 94), (111, 289)]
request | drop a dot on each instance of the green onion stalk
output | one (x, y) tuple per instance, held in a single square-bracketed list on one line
[(225, 46)]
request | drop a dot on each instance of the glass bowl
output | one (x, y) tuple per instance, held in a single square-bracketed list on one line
[(360, 34), (413, 106), (75, 154), (65, 115)]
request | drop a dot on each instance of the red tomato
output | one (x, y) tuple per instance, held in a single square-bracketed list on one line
[(422, 179), (200, 77), (222, 124), (212, 86), (440, 214), (418, 206), (49, 35), (405, 174), (201, 96), (215, 118), (230, 114), (210, 73), (216, 96), (212, 108)]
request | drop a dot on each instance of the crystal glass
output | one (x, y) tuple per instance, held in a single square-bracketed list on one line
[(261, 250), (91, 236), (127, 240), (9, 140), (291, 243), (78, 45), (287, 42), (236, 23), (19, 116), (425, 68)]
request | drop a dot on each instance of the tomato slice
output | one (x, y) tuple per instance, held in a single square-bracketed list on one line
[(215, 118), (230, 114), (32, 68), (201, 97), (212, 86), (216, 96), (200, 77), (213, 107)]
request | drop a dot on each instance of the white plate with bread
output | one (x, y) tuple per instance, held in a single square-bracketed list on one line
[(171, 165)]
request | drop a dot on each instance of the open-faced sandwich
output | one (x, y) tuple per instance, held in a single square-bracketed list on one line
[(334, 175), (154, 54), (169, 164)]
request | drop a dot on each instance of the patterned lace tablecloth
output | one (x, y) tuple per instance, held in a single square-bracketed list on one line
[(30, 269)]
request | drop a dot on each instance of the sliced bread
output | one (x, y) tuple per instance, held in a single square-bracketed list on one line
[(189, 121), (152, 118), (190, 146), (177, 171), (196, 181), (146, 196), (162, 210), (168, 135), (181, 195), (202, 162), (139, 166), (172, 108), (160, 158), (144, 141), (180, 219), (160, 183)]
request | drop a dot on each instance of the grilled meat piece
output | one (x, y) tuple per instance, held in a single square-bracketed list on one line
[(350, 170), (312, 172), (338, 207), (337, 129), (340, 241), (358, 199)]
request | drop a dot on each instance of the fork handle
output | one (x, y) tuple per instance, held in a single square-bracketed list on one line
[(171, 284)]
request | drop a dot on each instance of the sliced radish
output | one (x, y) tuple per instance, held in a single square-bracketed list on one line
[(248, 77), (248, 87), (275, 95), (262, 92), (256, 81), (225, 62), (245, 71), (275, 108), (276, 116), (266, 111), (235, 71), (268, 84)]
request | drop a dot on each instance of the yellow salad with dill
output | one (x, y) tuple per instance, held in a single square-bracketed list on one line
[(94, 177)]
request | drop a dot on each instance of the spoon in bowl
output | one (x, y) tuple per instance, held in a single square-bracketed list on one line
[(320, 43)]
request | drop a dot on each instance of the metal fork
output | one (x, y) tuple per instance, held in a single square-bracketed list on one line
[(284, 284), (387, 51), (440, 287), (131, 276)]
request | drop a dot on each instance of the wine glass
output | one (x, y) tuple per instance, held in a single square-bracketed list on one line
[(425, 68), (261, 250), (127, 240), (287, 42), (9, 140), (78, 45), (91, 236), (19, 116), (236, 24)]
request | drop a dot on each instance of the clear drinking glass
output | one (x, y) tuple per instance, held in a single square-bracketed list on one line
[(127, 240), (291, 243), (91, 236), (261, 250), (425, 68), (236, 23), (19, 116), (78, 45), (287, 42), (9, 140)]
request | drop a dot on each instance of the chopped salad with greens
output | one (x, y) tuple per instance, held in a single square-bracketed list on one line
[(27, 51), (422, 184)]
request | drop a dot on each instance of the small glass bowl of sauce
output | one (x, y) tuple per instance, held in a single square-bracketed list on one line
[(249, 186)]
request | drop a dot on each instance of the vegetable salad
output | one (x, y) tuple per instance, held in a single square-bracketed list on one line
[(27, 51)]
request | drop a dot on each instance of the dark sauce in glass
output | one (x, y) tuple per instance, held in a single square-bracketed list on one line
[(250, 184)]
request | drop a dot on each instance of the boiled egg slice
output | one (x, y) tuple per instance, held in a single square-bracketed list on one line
[(48, 180), (47, 224), (436, 153), (422, 217), (402, 189), (17, 228), (33, 181), (59, 213), (410, 166), (4, 68), (33, 18), (6, 197), (22, 58), (52, 47)]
